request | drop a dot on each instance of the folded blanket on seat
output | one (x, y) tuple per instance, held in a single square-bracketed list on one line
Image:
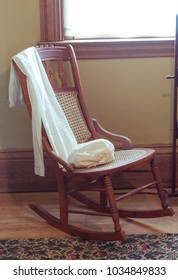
[(92, 153)]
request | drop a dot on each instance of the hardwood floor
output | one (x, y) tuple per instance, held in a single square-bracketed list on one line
[(19, 221)]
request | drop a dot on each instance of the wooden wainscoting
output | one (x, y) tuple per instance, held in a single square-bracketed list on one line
[(17, 171)]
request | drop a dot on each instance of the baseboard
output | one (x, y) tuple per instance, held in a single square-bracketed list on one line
[(17, 171)]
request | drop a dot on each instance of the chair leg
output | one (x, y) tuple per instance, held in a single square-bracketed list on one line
[(103, 195), (112, 202), (62, 223), (165, 209), (161, 192), (63, 200)]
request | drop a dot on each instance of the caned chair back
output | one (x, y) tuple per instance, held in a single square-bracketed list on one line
[(62, 71)]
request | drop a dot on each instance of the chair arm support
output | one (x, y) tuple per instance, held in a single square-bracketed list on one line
[(54, 156), (125, 141)]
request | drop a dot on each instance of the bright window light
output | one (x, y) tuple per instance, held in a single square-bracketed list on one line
[(120, 18)]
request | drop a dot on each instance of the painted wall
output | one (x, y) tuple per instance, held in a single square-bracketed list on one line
[(19, 29), (130, 97)]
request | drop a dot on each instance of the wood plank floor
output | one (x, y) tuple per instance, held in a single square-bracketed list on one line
[(19, 221)]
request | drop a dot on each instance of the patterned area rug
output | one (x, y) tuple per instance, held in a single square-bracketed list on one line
[(135, 247)]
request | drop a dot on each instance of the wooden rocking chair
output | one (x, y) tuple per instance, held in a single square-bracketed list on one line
[(75, 182)]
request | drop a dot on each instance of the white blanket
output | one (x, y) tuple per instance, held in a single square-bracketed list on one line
[(46, 110)]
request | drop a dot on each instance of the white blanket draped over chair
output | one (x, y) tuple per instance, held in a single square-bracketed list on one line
[(46, 110)]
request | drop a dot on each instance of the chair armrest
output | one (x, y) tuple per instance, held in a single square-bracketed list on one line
[(55, 157), (125, 141)]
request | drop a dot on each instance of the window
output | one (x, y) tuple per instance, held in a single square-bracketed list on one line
[(61, 22), (119, 19)]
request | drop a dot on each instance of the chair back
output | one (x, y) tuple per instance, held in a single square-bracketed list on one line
[(62, 70)]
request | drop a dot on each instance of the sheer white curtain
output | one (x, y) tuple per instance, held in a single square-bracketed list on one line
[(119, 18)]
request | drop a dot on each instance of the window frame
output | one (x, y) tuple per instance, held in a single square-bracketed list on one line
[(51, 29)]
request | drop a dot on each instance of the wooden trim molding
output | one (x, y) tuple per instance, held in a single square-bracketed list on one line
[(17, 171), (113, 49), (51, 22)]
